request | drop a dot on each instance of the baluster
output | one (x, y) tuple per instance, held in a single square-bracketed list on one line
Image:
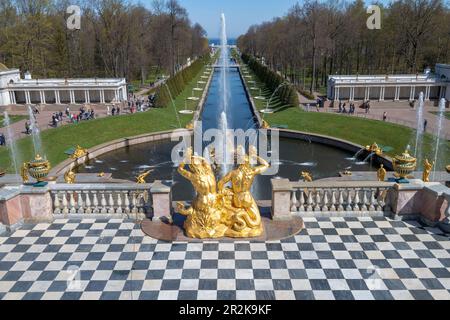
[(357, 201), (341, 201), (111, 203), (318, 201), (88, 204), (127, 203), (325, 201), (310, 201), (141, 203), (334, 206), (119, 203), (134, 208), (294, 201), (95, 203), (56, 204), (349, 206), (365, 204), (103, 203), (80, 203), (73, 205), (302, 201), (65, 204), (373, 201)]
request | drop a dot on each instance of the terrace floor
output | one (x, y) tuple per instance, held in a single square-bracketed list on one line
[(333, 258)]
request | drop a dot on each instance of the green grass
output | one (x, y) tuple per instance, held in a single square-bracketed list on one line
[(12, 118), (92, 133), (360, 131), (447, 114)]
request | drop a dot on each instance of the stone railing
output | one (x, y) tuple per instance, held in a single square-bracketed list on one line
[(329, 198), (20, 204), (111, 199)]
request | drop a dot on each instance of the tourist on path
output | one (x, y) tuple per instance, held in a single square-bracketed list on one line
[(385, 116), (2, 140)]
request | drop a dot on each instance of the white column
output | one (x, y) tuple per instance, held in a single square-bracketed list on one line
[(86, 98), (368, 93), (382, 91), (72, 97), (397, 94), (336, 94), (27, 97), (427, 93), (352, 93), (124, 93), (42, 95), (412, 93), (12, 96), (102, 96), (57, 97)]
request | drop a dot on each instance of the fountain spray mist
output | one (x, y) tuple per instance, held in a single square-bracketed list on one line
[(11, 142), (438, 137), (420, 129)]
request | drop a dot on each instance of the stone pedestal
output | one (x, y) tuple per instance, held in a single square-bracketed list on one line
[(162, 201), (281, 199), (404, 200)]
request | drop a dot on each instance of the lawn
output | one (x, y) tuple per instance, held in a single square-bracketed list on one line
[(357, 130), (12, 119), (92, 133), (447, 114)]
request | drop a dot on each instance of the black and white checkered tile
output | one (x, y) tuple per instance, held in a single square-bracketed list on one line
[(333, 258)]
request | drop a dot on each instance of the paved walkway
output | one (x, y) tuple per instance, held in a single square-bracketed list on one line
[(333, 258), (399, 113), (45, 117)]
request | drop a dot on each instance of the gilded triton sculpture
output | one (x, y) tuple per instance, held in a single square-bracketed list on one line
[(218, 211)]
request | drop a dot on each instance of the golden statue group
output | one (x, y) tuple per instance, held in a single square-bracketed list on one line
[(219, 211)]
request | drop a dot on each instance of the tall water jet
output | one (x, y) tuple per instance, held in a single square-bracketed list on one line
[(420, 129), (439, 139), (11, 142), (35, 133), (224, 92)]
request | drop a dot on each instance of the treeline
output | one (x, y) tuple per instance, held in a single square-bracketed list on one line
[(319, 38), (178, 82), (285, 91), (117, 38)]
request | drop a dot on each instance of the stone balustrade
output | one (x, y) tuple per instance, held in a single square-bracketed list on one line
[(351, 197), (329, 198), (101, 199)]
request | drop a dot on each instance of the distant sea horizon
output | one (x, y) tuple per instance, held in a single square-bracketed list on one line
[(231, 41)]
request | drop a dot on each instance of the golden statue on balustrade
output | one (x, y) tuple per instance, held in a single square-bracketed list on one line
[(307, 176), (79, 152), (218, 211), (427, 169), (141, 178), (70, 177), (381, 173)]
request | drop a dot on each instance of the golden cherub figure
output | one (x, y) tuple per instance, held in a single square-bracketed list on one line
[(381, 173), (307, 176), (265, 125), (141, 178), (428, 167), (69, 177), (79, 152), (24, 173)]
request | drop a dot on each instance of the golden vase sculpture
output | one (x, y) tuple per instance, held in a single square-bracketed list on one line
[(218, 211), (37, 168), (404, 165)]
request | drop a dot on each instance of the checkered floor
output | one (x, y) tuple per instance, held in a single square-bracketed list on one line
[(333, 258)]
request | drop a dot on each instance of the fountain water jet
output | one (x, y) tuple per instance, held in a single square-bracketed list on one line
[(438, 137), (11, 142), (420, 129), (35, 133)]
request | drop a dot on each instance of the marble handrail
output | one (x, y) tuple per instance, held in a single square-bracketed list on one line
[(85, 199)]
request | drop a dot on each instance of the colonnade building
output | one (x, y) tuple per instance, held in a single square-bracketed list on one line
[(15, 91), (391, 87)]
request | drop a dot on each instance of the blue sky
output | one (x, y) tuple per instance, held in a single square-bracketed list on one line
[(240, 14)]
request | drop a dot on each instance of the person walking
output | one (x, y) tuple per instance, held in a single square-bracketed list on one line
[(27, 127), (385, 116), (2, 140), (425, 125)]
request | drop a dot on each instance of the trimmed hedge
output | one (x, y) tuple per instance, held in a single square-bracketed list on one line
[(178, 82), (287, 94)]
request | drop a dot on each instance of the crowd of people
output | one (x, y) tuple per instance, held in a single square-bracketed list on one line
[(352, 108)]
